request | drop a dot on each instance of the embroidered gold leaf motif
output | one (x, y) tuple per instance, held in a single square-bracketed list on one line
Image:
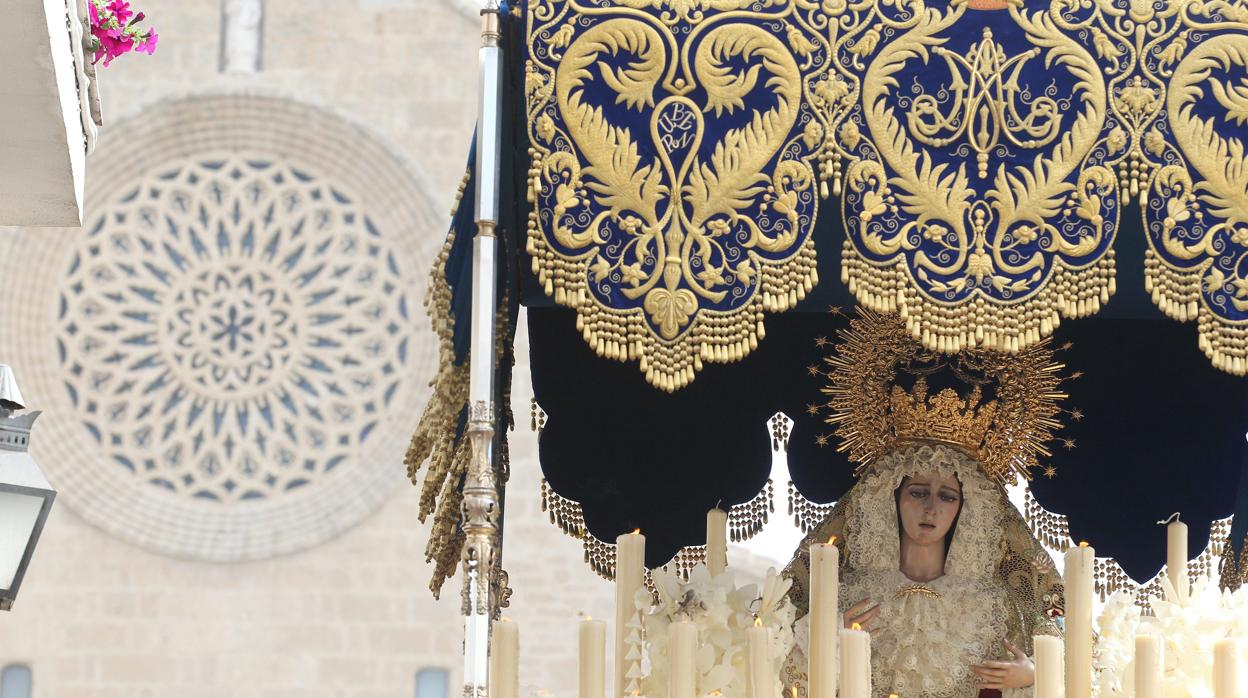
[(1197, 262), (670, 309), (981, 201), (691, 11), (674, 171)]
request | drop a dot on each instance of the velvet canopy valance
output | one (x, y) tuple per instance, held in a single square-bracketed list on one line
[(691, 185)]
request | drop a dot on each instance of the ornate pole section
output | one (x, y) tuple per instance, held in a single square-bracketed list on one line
[(480, 507)]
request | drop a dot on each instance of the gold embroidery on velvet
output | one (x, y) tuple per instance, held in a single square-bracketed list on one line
[(689, 229), (980, 234), (1196, 201)]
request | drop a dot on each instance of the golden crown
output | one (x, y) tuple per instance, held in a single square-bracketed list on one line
[(943, 417), (873, 414)]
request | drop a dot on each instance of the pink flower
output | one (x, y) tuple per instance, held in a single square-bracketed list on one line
[(115, 31), (149, 43), (111, 48), (121, 10)]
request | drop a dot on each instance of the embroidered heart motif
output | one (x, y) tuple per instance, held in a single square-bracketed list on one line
[(674, 186)]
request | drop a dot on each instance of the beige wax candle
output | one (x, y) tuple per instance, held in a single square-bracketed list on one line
[(1150, 664), (682, 645), (1226, 669), (630, 563), (1078, 583), (1176, 556), (825, 620), (504, 660), (761, 676), (592, 651), (1049, 666), (716, 541), (855, 663)]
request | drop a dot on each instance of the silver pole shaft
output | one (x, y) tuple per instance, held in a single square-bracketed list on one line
[(481, 496)]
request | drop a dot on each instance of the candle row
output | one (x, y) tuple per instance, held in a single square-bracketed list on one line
[(630, 560), (1069, 666), (841, 658), (855, 682), (1149, 667), (831, 647), (761, 675)]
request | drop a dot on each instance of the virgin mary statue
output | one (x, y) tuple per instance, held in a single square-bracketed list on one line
[(935, 561)]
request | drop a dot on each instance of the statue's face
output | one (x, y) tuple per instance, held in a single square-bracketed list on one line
[(928, 505)]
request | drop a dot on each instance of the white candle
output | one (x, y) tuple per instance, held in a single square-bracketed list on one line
[(1226, 669), (505, 660), (1149, 665), (1049, 666), (1176, 556), (592, 650), (716, 541), (1078, 583), (682, 644), (630, 561), (825, 621), (855, 663), (761, 676)]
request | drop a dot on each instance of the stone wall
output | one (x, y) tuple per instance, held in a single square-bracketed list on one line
[(351, 617), (100, 616), (406, 69)]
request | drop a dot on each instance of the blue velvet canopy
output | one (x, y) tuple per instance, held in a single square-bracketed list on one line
[(697, 191)]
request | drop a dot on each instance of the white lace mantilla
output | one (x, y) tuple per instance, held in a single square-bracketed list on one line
[(976, 544), (923, 643)]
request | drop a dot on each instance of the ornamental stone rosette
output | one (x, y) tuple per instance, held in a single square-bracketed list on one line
[(228, 349)]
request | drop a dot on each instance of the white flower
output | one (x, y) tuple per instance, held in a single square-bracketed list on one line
[(1190, 628), (722, 612)]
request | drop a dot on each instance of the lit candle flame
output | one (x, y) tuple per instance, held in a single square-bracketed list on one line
[(635, 531), (832, 540), (758, 622), (1083, 544), (857, 627)]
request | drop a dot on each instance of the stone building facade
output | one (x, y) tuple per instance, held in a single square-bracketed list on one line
[(231, 355)]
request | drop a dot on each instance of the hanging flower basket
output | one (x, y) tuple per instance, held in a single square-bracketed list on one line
[(116, 30)]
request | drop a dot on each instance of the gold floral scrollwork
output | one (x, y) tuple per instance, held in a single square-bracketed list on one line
[(1196, 210), (981, 200), (680, 148)]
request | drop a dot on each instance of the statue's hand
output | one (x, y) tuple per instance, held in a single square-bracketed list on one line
[(1019, 672), (863, 613)]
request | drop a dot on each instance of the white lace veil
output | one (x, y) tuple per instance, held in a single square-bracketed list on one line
[(873, 539)]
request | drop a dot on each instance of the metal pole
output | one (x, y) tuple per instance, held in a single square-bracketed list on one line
[(480, 507)]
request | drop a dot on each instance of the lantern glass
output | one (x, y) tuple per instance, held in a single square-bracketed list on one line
[(19, 514), (25, 500)]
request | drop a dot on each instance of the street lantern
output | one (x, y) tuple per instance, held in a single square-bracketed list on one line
[(25, 495)]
